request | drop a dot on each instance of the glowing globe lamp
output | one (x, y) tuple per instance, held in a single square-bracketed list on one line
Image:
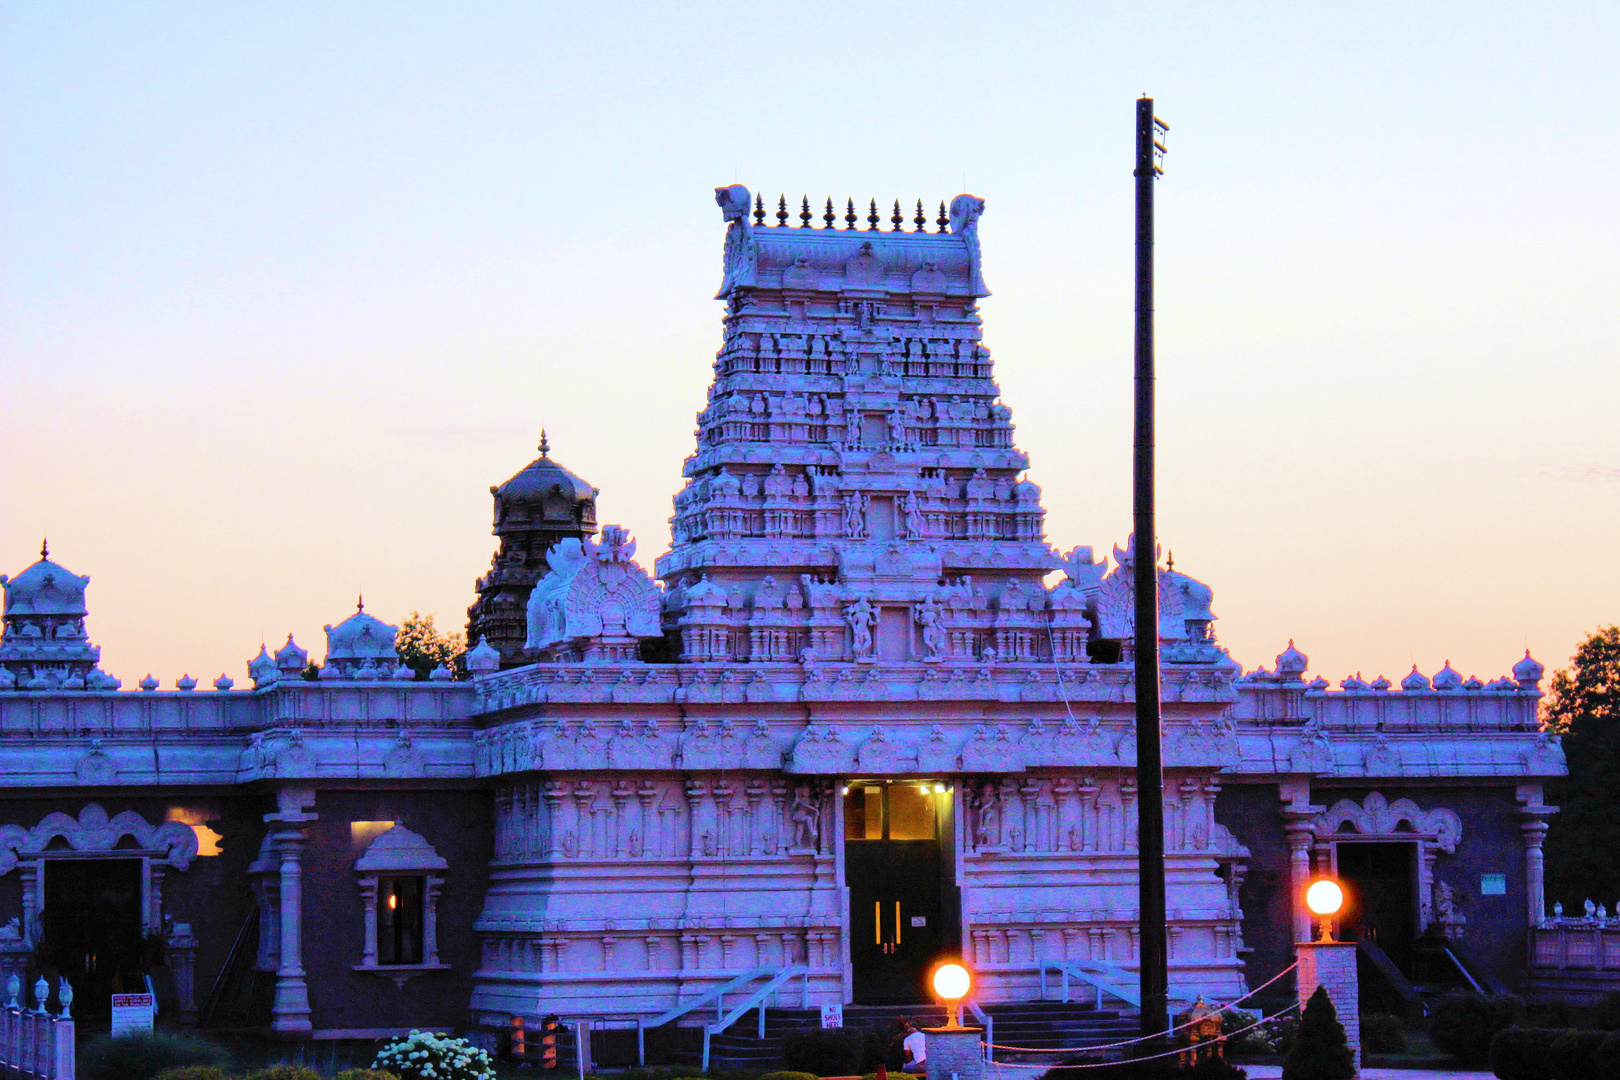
[(951, 982), (1325, 897)]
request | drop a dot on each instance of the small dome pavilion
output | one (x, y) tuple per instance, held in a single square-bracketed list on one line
[(534, 510)]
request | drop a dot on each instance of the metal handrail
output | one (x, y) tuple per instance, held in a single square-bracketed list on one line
[(1094, 972), (716, 994), (756, 999)]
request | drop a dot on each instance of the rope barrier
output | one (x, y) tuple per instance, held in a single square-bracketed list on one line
[(1142, 1038), (1150, 1057)]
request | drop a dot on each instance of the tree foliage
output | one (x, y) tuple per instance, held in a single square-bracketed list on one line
[(421, 647), (1583, 706)]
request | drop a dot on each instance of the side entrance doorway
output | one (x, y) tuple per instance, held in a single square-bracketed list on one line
[(1383, 907), (92, 929), (904, 912)]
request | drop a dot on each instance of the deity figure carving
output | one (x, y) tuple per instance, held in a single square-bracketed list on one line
[(915, 525), (806, 817), (860, 617), (987, 816), (855, 503), (933, 634)]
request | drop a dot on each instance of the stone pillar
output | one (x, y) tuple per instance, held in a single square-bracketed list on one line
[(954, 1053), (1298, 822), (1332, 964), (182, 955), (1534, 826), (289, 1011)]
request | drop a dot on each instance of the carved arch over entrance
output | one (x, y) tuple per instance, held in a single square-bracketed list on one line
[(169, 844), (1376, 818)]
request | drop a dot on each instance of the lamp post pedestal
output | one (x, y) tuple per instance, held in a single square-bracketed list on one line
[(954, 1053), (1332, 965)]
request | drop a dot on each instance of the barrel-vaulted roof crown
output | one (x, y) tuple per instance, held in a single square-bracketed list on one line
[(46, 588)]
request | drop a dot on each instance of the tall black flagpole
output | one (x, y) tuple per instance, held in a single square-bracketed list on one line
[(1149, 761)]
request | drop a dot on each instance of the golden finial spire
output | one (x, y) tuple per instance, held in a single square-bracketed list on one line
[(545, 443)]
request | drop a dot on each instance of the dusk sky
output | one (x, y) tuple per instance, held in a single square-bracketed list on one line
[(285, 288)]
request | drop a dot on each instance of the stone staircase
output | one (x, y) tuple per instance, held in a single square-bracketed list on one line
[(1038, 1025)]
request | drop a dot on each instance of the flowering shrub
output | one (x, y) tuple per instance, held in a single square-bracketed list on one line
[(425, 1056)]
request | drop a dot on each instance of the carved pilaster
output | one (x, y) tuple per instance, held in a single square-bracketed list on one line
[(1533, 816), (1298, 817), (289, 1010)]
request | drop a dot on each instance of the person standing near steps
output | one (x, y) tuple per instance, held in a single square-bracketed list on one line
[(916, 1046)]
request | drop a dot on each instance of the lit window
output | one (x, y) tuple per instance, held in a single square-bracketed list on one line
[(400, 876), (399, 920), (207, 839)]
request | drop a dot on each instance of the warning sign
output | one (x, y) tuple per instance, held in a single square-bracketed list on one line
[(132, 1013)]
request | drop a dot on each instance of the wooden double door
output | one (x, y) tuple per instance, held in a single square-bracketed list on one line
[(903, 912)]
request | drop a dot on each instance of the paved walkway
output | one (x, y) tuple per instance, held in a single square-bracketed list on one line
[(1274, 1072)]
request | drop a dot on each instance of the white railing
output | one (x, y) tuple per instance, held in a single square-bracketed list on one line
[(1104, 977), (33, 1043)]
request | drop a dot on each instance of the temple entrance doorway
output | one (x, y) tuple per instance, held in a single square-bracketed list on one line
[(91, 929), (903, 910), (1382, 897)]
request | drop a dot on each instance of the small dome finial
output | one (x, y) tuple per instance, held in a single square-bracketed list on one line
[(45, 553), (545, 443), (360, 602)]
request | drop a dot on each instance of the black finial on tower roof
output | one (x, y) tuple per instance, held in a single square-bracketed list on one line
[(45, 548), (829, 217), (804, 213), (898, 218), (759, 210), (921, 219), (781, 209), (545, 443), (944, 219), (872, 218), (849, 215), (360, 602)]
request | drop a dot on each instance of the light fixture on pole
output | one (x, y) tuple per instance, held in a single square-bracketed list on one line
[(1325, 897), (951, 983)]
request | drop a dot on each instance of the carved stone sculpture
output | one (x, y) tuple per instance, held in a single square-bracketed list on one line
[(860, 617)]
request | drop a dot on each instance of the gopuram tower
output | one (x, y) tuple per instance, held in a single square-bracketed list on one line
[(846, 727)]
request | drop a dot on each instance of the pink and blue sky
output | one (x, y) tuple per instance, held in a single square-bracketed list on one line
[(284, 288)]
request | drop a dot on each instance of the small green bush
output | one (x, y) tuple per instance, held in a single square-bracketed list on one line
[(786, 1075), (366, 1074), (1571, 1053), (1212, 1068), (142, 1057), (1320, 1051), (194, 1072), (1383, 1033), (422, 1055), (1521, 1053), (283, 1072), (1464, 1023), (824, 1051)]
